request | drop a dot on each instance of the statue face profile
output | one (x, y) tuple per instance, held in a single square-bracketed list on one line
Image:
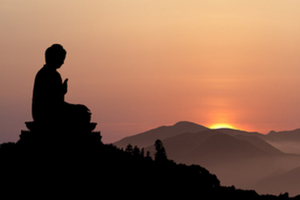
[(55, 56)]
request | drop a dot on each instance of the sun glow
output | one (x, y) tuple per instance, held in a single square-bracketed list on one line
[(222, 125)]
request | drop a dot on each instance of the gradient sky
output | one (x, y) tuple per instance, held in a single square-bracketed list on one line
[(139, 64)]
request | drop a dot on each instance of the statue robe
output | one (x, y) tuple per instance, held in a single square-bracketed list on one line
[(48, 104)]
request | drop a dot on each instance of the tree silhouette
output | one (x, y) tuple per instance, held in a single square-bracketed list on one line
[(142, 152), (136, 151), (129, 149), (160, 155)]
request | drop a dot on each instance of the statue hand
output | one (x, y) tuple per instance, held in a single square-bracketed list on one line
[(65, 86)]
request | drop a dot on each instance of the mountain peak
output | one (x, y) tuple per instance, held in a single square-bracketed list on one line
[(186, 126), (148, 138), (271, 132), (186, 123)]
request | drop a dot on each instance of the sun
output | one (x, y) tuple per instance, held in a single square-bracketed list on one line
[(221, 125)]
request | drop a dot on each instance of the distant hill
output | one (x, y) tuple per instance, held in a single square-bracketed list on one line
[(261, 144), (235, 132), (212, 146), (293, 135), (287, 141), (222, 154), (281, 182), (148, 138), (237, 157), (222, 148)]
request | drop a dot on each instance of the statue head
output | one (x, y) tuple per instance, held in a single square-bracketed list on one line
[(55, 55)]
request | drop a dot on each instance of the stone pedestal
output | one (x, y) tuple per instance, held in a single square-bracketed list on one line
[(57, 135)]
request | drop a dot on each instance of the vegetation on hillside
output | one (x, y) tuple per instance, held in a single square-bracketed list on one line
[(44, 168)]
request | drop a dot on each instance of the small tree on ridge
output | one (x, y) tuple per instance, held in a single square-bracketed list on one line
[(160, 154)]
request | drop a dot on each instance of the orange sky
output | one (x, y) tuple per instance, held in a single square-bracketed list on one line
[(141, 64)]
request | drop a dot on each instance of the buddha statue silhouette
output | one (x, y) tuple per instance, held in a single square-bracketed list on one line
[(48, 103)]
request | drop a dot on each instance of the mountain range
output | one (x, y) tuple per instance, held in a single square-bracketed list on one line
[(249, 160)]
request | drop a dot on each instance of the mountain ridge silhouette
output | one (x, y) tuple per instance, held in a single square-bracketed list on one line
[(249, 155)]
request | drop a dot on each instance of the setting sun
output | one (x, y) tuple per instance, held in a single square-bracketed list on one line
[(223, 125)]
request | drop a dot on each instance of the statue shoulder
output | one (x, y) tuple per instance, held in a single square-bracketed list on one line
[(46, 73)]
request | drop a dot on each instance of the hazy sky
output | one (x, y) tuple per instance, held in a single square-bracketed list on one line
[(139, 64)]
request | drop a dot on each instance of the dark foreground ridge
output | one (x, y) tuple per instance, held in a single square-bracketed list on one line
[(60, 163)]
